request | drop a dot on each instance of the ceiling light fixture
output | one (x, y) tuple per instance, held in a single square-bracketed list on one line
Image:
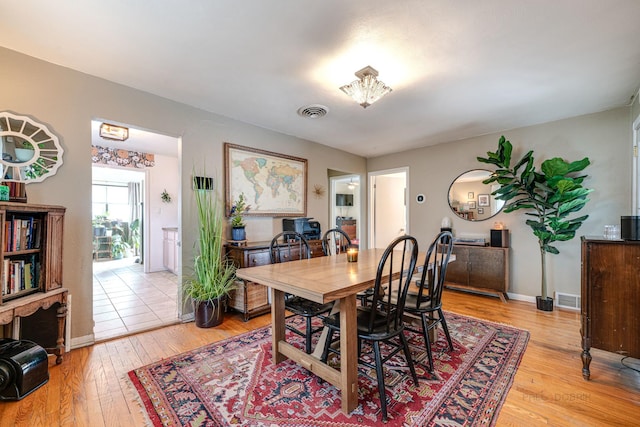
[(117, 133), (368, 89)]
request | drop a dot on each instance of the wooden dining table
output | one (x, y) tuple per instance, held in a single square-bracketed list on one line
[(322, 279)]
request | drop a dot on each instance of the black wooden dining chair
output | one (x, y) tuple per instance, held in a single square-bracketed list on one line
[(290, 246), (427, 302), (335, 241), (381, 321)]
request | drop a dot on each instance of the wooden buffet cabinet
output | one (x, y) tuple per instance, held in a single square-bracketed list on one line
[(348, 226), (33, 303), (482, 269), (610, 298), (249, 298)]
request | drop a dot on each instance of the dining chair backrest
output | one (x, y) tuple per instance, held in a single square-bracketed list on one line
[(335, 241), (288, 246), (434, 270), (393, 277)]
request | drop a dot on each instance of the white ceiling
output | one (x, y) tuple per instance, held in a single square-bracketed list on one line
[(457, 68)]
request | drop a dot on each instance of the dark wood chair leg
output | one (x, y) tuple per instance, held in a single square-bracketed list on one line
[(407, 355), (308, 335), (427, 341), (445, 328), (380, 375), (327, 345)]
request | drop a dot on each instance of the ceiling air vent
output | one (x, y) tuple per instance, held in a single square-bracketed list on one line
[(314, 111)]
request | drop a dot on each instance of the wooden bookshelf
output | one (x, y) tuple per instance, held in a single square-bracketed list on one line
[(33, 303)]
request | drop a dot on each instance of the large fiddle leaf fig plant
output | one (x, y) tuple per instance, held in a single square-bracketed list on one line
[(549, 196)]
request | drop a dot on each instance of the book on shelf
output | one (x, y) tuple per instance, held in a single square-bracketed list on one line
[(17, 191), (20, 274), (5, 276), (22, 233)]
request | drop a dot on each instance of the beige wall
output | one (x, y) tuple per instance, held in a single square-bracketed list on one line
[(159, 214), (67, 101), (603, 137)]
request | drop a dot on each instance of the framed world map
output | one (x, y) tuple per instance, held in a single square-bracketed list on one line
[(273, 184)]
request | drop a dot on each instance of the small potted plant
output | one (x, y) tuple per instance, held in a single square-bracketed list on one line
[(118, 247), (238, 208), (99, 228), (25, 152)]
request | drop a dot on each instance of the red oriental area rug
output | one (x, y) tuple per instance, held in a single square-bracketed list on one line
[(234, 383)]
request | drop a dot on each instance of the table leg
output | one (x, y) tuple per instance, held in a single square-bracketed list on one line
[(348, 354), (277, 324)]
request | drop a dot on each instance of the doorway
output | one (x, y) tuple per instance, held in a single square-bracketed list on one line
[(388, 213), (636, 167), (345, 205), (132, 288)]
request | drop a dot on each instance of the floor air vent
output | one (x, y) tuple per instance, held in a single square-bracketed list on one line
[(568, 301)]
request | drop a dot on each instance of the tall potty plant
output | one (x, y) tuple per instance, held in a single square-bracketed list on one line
[(549, 198), (214, 275)]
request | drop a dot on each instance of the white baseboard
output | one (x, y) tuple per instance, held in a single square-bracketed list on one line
[(84, 341), (67, 326), (519, 297)]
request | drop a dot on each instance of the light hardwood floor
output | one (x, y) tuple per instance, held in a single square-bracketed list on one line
[(90, 387)]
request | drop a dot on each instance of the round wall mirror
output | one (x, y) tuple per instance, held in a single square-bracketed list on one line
[(30, 151), (470, 199)]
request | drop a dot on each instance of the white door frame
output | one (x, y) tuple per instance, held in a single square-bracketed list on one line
[(146, 214), (371, 199), (635, 185)]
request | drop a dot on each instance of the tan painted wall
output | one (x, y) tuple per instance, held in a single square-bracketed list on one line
[(161, 177), (67, 101), (604, 137)]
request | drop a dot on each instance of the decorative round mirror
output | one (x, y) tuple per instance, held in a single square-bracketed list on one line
[(470, 199), (30, 151)]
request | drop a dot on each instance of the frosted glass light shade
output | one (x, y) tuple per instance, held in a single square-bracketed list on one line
[(368, 89)]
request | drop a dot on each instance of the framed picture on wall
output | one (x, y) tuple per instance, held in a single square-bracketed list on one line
[(273, 184), (472, 205), (483, 200), (470, 195), (480, 211)]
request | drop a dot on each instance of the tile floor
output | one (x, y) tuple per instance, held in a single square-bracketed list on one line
[(126, 300)]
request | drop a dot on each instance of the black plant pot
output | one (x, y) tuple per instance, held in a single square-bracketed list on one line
[(238, 233), (208, 313), (544, 304)]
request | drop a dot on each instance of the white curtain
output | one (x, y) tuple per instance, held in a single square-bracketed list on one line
[(135, 206)]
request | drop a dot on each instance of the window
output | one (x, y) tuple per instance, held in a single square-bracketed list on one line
[(111, 200)]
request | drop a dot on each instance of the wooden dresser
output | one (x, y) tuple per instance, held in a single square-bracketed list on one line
[(482, 269), (348, 226), (610, 298), (252, 299)]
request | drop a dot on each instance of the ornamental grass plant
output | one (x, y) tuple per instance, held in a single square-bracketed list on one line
[(214, 275)]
